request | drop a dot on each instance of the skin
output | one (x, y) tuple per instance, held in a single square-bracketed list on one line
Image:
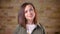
[(29, 14)]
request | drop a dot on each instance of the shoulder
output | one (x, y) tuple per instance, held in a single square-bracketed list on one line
[(41, 27), (17, 29), (18, 26)]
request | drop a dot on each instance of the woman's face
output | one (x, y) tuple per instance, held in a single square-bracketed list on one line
[(29, 12)]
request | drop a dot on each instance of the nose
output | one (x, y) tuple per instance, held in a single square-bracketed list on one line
[(29, 12)]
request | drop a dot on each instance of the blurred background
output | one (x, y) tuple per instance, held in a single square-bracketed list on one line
[(48, 15)]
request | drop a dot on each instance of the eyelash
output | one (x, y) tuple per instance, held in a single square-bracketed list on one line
[(25, 11), (29, 10)]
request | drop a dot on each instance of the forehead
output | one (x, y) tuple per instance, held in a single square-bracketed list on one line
[(28, 6)]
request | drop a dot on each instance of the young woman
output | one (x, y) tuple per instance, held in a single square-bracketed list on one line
[(27, 19)]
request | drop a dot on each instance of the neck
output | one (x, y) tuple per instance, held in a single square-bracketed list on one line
[(30, 22)]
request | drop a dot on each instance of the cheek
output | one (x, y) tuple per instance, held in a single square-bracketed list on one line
[(25, 15), (34, 14)]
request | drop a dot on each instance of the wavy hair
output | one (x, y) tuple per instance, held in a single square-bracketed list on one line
[(21, 15)]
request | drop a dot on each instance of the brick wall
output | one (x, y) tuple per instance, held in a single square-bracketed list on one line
[(48, 15)]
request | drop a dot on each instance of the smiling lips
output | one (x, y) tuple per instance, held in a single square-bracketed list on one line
[(29, 16)]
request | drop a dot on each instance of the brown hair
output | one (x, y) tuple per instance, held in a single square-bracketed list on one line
[(21, 17)]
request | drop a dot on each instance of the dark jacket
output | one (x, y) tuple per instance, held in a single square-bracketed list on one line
[(38, 30)]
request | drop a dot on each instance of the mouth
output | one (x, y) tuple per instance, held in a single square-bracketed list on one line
[(29, 16)]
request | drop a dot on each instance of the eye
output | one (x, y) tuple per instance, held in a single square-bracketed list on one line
[(25, 11), (31, 9)]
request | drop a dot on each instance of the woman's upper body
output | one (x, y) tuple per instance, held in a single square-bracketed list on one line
[(27, 19), (37, 30)]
